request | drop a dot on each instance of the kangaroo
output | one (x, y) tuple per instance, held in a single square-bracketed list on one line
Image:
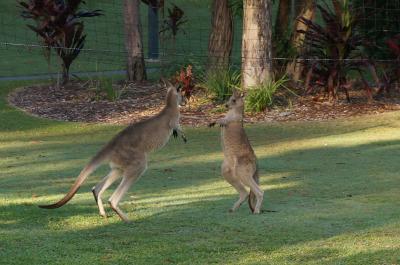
[(239, 167), (127, 153)]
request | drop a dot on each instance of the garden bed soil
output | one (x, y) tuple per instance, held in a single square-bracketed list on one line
[(81, 103)]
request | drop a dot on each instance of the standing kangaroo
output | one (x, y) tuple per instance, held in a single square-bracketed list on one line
[(127, 153), (239, 167)]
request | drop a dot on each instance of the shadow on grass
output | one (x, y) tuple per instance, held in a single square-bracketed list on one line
[(199, 232), (323, 172), (333, 191)]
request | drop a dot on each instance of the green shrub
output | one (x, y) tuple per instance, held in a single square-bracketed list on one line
[(221, 83), (260, 97), (60, 26), (106, 86), (105, 89)]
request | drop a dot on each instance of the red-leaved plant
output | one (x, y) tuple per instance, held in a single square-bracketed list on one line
[(184, 78), (60, 26)]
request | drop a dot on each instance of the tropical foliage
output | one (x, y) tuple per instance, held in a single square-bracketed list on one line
[(174, 21), (390, 73), (263, 96), (60, 26), (333, 50), (185, 79), (220, 84)]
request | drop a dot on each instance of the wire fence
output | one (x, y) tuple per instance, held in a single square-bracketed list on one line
[(21, 52)]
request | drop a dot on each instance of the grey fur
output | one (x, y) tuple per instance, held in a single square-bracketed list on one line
[(239, 167), (127, 153)]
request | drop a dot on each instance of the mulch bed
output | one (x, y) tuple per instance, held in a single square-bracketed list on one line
[(80, 102)]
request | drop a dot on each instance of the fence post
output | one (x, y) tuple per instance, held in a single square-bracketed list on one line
[(153, 32)]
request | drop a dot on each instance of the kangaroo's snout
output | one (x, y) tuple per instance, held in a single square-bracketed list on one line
[(183, 102)]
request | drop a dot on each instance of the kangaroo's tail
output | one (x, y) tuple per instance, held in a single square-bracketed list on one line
[(252, 197), (86, 171)]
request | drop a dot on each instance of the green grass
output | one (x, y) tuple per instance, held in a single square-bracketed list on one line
[(334, 187)]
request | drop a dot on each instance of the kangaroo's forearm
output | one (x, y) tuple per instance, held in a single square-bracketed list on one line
[(221, 122), (177, 131)]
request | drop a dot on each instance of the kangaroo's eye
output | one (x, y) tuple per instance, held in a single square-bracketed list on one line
[(234, 100)]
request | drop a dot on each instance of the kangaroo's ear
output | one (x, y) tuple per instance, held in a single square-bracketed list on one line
[(162, 80), (241, 94), (166, 82), (235, 93)]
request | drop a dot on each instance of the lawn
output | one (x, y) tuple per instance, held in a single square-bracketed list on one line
[(332, 189)]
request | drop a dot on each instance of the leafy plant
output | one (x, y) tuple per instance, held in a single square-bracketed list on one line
[(221, 83), (391, 71), (333, 50), (262, 96), (185, 79), (174, 21), (283, 48), (60, 26), (106, 85), (379, 23), (105, 88)]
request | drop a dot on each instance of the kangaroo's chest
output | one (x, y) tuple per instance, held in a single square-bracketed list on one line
[(234, 140)]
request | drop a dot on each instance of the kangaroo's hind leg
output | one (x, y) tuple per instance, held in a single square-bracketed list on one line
[(102, 186), (229, 176), (130, 176), (249, 181)]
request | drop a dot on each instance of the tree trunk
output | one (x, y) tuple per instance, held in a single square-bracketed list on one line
[(294, 69), (282, 19), (133, 41), (256, 42), (65, 74), (221, 36)]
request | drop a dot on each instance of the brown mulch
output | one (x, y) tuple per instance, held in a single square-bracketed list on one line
[(81, 102)]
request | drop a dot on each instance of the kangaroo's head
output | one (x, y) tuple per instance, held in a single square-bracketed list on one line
[(236, 102), (174, 95)]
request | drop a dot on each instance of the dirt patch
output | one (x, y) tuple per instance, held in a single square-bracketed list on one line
[(137, 101)]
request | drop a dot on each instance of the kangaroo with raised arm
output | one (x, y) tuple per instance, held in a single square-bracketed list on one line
[(239, 167), (127, 153)]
